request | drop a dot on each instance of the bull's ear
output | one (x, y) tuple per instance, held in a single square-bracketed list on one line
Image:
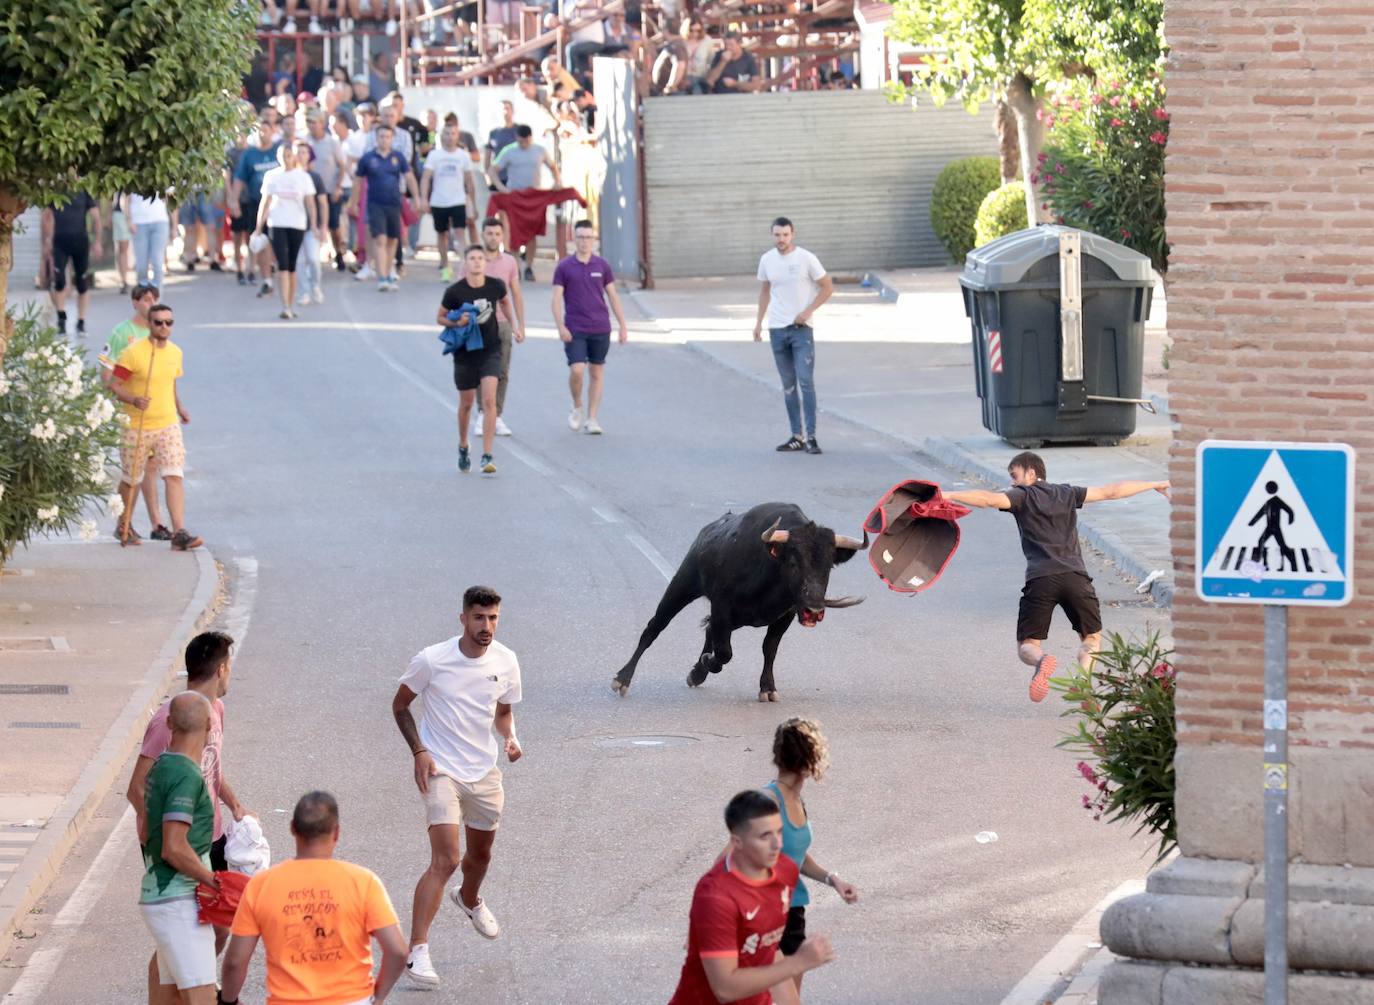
[(774, 550)]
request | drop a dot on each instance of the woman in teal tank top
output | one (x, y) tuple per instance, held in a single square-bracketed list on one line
[(800, 752)]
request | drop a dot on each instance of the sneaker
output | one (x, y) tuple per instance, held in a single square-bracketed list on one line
[(315, 27), (243, 280), (289, 27), (575, 419), (81, 326), (62, 322), (184, 540), (488, 468), (252, 278), (285, 315), (318, 295), (190, 266), (123, 288), (303, 300), (384, 285), (501, 428), (812, 447), (339, 262), (419, 969), (364, 274), (446, 274), (529, 274), (134, 538), (265, 290), (216, 266), (390, 28), (1040, 680), (161, 533), (395, 281), (593, 427), (482, 918), (464, 460), (791, 446)]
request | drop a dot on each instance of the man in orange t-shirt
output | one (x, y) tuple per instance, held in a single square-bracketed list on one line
[(316, 915)]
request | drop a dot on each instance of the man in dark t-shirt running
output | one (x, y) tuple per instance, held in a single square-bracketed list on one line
[(476, 369), (1047, 519)]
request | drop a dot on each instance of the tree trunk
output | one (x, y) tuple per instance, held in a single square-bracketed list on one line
[(1026, 106), (1008, 138), (11, 207)]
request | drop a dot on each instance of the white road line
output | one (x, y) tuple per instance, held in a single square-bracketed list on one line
[(575, 492), (1056, 965), (605, 514), (245, 594), (651, 553), (42, 966)]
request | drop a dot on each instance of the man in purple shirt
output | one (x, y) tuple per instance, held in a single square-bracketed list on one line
[(582, 284)]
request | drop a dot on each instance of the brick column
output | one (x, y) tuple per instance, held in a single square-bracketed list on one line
[(1270, 194)]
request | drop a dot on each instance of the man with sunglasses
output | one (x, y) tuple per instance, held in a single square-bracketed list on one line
[(146, 382)]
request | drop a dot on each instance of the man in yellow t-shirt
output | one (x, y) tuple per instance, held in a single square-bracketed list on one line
[(316, 916), (146, 376)]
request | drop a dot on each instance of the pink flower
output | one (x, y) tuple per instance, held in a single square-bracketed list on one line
[(1135, 105), (1044, 205), (1114, 100), (1158, 137), (1125, 233), (1096, 99), (1035, 178), (1087, 772), (1042, 157), (1059, 169), (1075, 104), (1087, 803), (1118, 123), (1161, 115), (1087, 204), (1039, 115), (1049, 122)]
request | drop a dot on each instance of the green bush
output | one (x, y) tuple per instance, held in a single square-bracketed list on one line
[(954, 202), (1003, 212), (1124, 709), (57, 427)]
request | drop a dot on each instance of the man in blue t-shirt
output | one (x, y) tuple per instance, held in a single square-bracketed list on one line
[(385, 169), (582, 284), (242, 204)]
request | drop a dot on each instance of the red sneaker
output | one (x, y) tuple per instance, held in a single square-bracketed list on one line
[(1040, 680)]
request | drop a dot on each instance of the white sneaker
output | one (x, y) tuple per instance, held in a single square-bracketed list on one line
[(315, 28), (575, 419), (419, 970), (390, 28), (290, 26), (394, 281), (318, 295), (482, 918), (364, 274), (303, 300), (594, 427), (501, 428), (383, 286)]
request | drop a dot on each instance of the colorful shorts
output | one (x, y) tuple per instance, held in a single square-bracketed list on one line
[(162, 449)]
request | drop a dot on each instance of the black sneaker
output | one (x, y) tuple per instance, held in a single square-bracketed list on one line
[(488, 465), (215, 266), (62, 322), (464, 460), (529, 274), (81, 326), (265, 290), (123, 289), (339, 263), (243, 280), (812, 447), (184, 540), (252, 278), (161, 533), (791, 446), (190, 266)]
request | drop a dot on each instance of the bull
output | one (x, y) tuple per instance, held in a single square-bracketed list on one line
[(763, 567)]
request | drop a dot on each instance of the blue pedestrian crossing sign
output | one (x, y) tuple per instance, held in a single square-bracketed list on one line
[(1276, 523)]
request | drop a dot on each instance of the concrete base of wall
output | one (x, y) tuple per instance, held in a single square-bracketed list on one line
[(1134, 983)]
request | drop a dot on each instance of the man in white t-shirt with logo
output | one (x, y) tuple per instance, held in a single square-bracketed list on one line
[(795, 284), (447, 187), (469, 684)]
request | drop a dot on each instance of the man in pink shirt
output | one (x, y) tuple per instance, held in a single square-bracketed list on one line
[(510, 313), (208, 665)]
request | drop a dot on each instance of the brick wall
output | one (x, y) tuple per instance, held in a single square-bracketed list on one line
[(1270, 181)]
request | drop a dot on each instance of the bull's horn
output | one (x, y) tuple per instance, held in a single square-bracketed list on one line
[(852, 543), (843, 601), (774, 536)]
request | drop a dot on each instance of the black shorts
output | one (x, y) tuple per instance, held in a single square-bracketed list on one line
[(384, 221), (587, 348), (470, 367), (247, 220), (449, 216), (335, 212), (794, 934), (73, 248), (1072, 591), (286, 246), (218, 863)]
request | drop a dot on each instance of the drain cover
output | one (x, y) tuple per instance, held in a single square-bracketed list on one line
[(34, 689), (45, 725), (646, 741)]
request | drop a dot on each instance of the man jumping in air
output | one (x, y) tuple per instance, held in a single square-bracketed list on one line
[(1047, 519)]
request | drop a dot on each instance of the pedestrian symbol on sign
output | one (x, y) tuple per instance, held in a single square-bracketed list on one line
[(1272, 514)]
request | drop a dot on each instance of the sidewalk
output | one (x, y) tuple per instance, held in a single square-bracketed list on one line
[(91, 636), (895, 358)]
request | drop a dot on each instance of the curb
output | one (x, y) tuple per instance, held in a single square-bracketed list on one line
[(40, 866), (952, 455)]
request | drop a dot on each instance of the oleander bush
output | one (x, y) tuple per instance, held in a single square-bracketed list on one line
[(959, 191)]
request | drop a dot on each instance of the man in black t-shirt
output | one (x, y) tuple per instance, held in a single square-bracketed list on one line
[(475, 369), (733, 71), (1047, 519), (70, 242)]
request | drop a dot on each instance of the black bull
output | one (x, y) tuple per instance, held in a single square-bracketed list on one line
[(762, 567)]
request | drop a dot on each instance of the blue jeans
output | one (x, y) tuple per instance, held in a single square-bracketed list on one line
[(150, 245), (794, 352)]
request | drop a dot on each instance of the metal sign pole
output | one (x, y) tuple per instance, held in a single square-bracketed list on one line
[(1275, 804)]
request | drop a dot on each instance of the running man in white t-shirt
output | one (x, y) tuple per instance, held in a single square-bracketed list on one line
[(795, 284), (469, 684)]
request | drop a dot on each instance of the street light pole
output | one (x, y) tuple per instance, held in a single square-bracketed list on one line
[(1275, 804)]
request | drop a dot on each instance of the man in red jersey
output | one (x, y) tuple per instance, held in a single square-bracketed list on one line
[(739, 910)]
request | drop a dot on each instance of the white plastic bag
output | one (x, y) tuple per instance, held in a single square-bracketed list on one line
[(246, 849)]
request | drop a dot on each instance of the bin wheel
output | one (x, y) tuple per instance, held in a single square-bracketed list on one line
[(1105, 441), (1027, 444)]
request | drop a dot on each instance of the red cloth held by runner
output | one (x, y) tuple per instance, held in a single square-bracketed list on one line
[(527, 209), (917, 535), (217, 907)]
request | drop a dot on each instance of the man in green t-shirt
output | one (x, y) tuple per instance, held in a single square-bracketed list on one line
[(125, 334), (176, 857)]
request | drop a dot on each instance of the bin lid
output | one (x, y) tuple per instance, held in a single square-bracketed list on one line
[(1006, 260)]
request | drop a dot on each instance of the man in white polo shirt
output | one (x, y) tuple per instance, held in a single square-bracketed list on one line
[(469, 684), (795, 284)]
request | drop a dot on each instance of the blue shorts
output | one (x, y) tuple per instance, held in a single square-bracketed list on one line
[(587, 348), (198, 209)]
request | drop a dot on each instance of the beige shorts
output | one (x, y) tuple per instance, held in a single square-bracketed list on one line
[(162, 449), (475, 804)]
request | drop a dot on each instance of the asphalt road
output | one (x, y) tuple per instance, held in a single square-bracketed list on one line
[(324, 451)]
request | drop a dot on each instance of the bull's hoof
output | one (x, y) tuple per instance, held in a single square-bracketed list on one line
[(696, 677), (768, 696), (620, 688)]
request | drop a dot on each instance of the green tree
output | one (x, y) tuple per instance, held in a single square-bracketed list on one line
[(114, 95), (1010, 50)]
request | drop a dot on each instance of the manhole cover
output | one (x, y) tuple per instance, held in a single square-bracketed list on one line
[(645, 741)]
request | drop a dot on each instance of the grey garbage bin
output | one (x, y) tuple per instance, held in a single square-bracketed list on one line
[(1058, 321)]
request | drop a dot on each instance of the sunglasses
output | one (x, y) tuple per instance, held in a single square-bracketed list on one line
[(162, 324)]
